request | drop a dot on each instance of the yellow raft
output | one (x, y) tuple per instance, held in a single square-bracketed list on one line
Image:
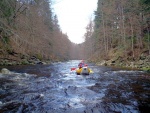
[(83, 71)]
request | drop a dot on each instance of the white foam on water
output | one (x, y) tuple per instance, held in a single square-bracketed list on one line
[(1, 103), (126, 71), (80, 84), (70, 77), (75, 102)]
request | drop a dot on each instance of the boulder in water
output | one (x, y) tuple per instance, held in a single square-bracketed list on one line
[(5, 71)]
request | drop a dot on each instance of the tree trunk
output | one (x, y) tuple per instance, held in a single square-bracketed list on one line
[(132, 37), (124, 32), (104, 34), (148, 40)]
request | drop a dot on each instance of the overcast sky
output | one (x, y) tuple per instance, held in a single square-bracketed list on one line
[(73, 16)]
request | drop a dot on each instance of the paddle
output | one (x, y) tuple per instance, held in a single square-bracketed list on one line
[(91, 71), (73, 68)]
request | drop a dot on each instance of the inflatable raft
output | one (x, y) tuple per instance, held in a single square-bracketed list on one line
[(83, 71)]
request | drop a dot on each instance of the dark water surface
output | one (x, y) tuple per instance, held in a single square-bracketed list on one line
[(55, 89)]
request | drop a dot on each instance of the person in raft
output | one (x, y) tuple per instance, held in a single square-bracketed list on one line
[(82, 69), (81, 64)]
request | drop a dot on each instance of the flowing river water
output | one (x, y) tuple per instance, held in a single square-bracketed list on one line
[(55, 88)]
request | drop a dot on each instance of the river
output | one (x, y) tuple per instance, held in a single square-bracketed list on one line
[(55, 88)]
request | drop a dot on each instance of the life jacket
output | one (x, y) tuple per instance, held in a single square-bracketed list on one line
[(81, 65)]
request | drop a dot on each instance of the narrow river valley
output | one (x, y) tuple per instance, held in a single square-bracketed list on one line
[(55, 88)]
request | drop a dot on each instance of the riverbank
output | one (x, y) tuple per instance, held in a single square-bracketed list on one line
[(24, 60), (115, 57), (9, 62), (143, 63)]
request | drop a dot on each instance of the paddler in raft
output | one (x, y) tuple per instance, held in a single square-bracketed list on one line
[(81, 64), (82, 69)]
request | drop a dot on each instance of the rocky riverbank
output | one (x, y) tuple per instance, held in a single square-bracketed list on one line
[(142, 63), (22, 61)]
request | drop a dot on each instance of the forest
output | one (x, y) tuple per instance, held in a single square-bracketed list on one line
[(118, 35), (30, 29)]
